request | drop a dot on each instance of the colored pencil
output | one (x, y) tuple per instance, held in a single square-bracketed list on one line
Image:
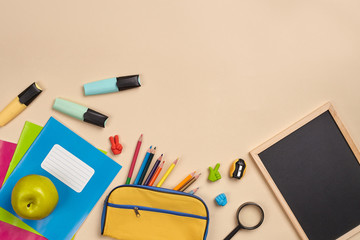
[(153, 170), (156, 174), (188, 184), (194, 191), (136, 153), (147, 155), (143, 174), (162, 180), (183, 182)]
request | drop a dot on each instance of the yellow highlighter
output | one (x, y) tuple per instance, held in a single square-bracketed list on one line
[(16, 106)]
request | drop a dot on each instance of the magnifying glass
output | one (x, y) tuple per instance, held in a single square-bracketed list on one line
[(241, 212)]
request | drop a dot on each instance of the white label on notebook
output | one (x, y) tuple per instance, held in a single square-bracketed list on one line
[(67, 168)]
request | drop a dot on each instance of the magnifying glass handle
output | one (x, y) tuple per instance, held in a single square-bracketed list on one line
[(228, 237)]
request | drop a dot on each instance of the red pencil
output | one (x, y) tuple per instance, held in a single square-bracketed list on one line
[(156, 174), (137, 149)]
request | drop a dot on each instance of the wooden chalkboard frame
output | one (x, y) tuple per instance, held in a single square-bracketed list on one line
[(255, 155)]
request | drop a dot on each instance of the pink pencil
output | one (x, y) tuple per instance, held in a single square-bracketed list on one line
[(138, 145)]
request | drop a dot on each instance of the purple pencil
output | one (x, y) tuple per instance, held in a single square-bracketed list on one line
[(156, 164)]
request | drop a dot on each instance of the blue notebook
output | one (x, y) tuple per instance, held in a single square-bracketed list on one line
[(80, 172)]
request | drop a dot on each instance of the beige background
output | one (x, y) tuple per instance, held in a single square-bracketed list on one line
[(219, 78)]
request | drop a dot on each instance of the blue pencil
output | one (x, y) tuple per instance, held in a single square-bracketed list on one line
[(152, 153), (147, 155), (153, 170), (194, 191)]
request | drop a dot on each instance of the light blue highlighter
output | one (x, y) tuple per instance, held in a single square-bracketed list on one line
[(110, 85)]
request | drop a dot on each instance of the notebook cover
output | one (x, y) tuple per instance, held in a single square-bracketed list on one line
[(6, 152), (9, 218), (10, 232), (28, 135), (74, 205)]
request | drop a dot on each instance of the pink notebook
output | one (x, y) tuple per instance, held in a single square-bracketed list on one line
[(10, 232), (7, 150)]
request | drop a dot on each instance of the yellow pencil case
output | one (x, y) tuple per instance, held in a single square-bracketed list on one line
[(136, 212)]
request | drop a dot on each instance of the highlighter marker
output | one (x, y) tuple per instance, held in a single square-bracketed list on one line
[(110, 85), (16, 106), (80, 112)]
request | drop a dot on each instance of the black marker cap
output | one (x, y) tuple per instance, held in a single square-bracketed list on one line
[(128, 82), (95, 118), (29, 94)]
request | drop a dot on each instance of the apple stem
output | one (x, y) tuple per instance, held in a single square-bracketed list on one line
[(28, 205)]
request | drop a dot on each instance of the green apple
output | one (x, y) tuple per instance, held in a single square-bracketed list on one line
[(34, 197)]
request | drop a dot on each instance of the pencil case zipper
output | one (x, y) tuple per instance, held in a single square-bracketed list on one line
[(155, 189), (138, 209)]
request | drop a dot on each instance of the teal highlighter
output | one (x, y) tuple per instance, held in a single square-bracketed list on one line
[(80, 112)]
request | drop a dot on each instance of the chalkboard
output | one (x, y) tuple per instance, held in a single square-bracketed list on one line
[(313, 168)]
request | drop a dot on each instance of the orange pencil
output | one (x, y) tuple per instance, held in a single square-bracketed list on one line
[(156, 174), (192, 180), (183, 182)]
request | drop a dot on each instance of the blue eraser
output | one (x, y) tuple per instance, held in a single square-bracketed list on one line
[(221, 199), (101, 87)]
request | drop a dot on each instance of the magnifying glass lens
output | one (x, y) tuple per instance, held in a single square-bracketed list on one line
[(250, 216)]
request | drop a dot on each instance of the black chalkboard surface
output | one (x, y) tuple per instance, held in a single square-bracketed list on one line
[(313, 169)]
